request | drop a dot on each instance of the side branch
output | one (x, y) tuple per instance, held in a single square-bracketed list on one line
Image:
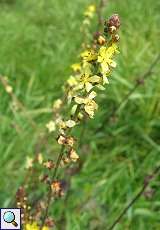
[(139, 194)]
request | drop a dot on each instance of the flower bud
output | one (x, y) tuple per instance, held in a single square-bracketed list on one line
[(73, 155), (49, 164), (113, 21), (101, 40), (57, 104), (56, 187), (112, 29), (64, 161), (96, 34), (63, 140), (115, 38)]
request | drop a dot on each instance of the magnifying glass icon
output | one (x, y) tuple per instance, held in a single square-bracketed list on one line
[(9, 217)]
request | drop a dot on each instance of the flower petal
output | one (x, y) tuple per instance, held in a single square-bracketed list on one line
[(70, 123), (113, 64), (105, 80), (51, 126), (94, 78), (88, 86), (92, 95), (79, 100), (73, 155)]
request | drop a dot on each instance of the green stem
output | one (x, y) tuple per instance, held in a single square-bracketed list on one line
[(54, 176), (133, 201)]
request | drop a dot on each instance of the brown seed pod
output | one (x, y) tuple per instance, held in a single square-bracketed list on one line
[(56, 186), (49, 164)]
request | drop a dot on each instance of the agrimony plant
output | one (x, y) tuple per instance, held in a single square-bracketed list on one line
[(90, 75)]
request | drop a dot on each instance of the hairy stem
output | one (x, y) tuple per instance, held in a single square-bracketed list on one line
[(49, 196), (54, 176)]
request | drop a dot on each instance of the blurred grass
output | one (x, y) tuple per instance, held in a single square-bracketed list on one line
[(39, 41)]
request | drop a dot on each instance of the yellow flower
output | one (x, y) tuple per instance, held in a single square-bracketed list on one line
[(57, 104), (72, 81), (90, 107), (105, 59), (90, 11), (72, 93), (63, 140), (56, 186), (31, 226), (49, 164), (65, 160), (70, 123), (70, 141), (34, 226), (92, 8), (89, 104), (45, 228), (89, 55), (76, 67), (61, 125), (73, 155), (51, 126), (65, 124), (86, 79), (115, 48), (29, 162), (9, 89)]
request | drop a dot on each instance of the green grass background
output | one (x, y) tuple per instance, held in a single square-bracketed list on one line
[(39, 41)]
